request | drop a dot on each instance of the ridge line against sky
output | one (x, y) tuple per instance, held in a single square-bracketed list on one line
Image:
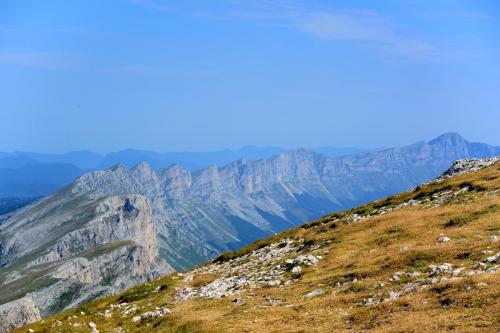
[(198, 75)]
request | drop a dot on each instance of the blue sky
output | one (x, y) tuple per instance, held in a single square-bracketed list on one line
[(210, 74)]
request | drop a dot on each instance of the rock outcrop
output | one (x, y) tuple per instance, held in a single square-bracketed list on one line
[(468, 165), (17, 313)]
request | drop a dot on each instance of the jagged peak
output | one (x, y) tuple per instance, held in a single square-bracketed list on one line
[(175, 167), (240, 162), (142, 167), (298, 152), (173, 171), (118, 167), (212, 169)]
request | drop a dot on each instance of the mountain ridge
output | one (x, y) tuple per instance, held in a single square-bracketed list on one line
[(23, 166), (277, 192), (195, 215)]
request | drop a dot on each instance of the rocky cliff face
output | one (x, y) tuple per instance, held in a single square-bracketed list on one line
[(200, 214), (18, 313), (68, 248)]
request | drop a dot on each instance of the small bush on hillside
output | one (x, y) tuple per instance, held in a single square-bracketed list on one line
[(363, 210), (427, 193), (308, 243), (387, 202), (472, 186), (136, 293), (143, 291), (463, 255), (457, 221), (338, 280)]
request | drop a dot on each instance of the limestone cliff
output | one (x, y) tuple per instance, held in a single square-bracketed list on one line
[(67, 249), (200, 214), (17, 313)]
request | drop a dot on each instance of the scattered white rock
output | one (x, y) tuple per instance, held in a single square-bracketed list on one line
[(494, 259), (443, 239), (458, 271), (262, 267), (306, 260), (129, 309), (440, 269), (396, 276), (274, 283), (93, 326), (314, 293), (157, 312), (394, 295), (371, 301), (296, 269)]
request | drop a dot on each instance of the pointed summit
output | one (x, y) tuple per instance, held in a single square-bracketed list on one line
[(143, 167), (449, 138)]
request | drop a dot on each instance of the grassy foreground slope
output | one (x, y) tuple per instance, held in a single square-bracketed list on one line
[(422, 261)]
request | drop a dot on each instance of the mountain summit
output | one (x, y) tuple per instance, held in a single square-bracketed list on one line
[(450, 139)]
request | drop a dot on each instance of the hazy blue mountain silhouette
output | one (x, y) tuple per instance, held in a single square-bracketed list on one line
[(27, 174)]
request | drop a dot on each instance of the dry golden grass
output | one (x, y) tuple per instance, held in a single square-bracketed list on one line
[(203, 279), (371, 250)]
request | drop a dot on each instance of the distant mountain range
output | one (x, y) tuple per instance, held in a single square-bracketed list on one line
[(27, 174), (199, 214), (109, 230)]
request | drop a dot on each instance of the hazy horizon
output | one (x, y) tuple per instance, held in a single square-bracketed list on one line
[(237, 148), (197, 76), (181, 151)]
